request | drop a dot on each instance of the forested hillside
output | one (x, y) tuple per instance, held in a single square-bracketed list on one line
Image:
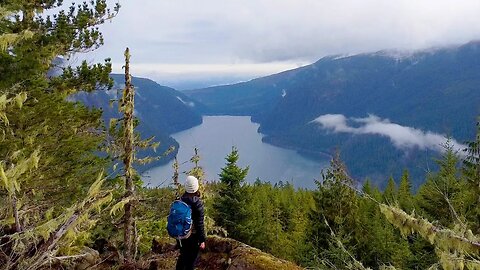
[(431, 91), (338, 226), (160, 110)]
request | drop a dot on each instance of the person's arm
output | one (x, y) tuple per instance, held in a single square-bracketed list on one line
[(200, 224)]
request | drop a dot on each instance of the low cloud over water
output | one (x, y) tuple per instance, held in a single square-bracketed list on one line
[(402, 137)]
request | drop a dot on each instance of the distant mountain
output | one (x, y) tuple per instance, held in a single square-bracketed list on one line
[(430, 91), (161, 110)]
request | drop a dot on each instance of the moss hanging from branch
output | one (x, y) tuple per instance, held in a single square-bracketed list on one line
[(127, 108), (36, 246), (123, 144), (456, 250)]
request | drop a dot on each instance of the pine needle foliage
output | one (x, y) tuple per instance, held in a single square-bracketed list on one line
[(229, 205), (471, 171), (336, 204), (37, 36), (47, 143), (7, 40), (440, 197)]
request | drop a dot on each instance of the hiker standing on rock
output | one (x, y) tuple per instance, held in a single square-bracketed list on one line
[(190, 247)]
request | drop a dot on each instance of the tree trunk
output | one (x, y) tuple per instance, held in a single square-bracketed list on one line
[(18, 227), (128, 103)]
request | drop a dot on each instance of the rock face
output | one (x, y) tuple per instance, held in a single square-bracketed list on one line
[(223, 254)]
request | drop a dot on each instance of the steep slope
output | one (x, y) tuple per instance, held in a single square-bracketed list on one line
[(435, 91), (248, 98), (161, 111)]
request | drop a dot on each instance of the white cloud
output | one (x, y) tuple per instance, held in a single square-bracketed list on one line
[(210, 69), (401, 136), (239, 32), (336, 122), (187, 76)]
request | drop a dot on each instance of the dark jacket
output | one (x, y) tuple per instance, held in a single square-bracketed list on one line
[(198, 214)]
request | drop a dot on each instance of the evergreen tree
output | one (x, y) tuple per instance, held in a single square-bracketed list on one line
[(378, 242), (32, 34), (45, 30), (367, 187), (230, 204), (335, 211), (438, 196), (262, 227), (390, 192), (124, 144), (471, 172), (277, 219), (471, 168), (55, 205), (405, 197), (36, 239)]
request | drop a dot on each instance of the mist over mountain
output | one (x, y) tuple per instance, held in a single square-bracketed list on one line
[(161, 110), (423, 96), (182, 84)]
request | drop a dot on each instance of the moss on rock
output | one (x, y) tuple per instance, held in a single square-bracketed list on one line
[(223, 254)]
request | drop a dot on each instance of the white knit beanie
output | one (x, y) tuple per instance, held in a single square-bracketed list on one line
[(191, 184)]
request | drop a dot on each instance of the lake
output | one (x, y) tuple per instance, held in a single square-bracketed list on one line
[(214, 139)]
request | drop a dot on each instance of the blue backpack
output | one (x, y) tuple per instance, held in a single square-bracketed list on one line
[(179, 222)]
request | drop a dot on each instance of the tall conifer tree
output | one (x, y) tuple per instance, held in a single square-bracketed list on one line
[(390, 192), (405, 197), (335, 212), (33, 33), (438, 196), (230, 205), (471, 172)]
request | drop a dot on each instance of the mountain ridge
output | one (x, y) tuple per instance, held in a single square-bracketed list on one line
[(163, 111), (432, 90)]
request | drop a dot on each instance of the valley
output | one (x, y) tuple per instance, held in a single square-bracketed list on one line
[(425, 92), (214, 139), (425, 96)]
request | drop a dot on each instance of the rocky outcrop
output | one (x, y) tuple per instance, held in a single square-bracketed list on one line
[(220, 254)]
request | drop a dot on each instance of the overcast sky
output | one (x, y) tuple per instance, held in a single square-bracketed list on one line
[(211, 41)]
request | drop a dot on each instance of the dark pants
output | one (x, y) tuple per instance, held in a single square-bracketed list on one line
[(188, 253)]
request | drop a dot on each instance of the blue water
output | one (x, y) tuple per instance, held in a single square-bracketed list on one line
[(215, 138)]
